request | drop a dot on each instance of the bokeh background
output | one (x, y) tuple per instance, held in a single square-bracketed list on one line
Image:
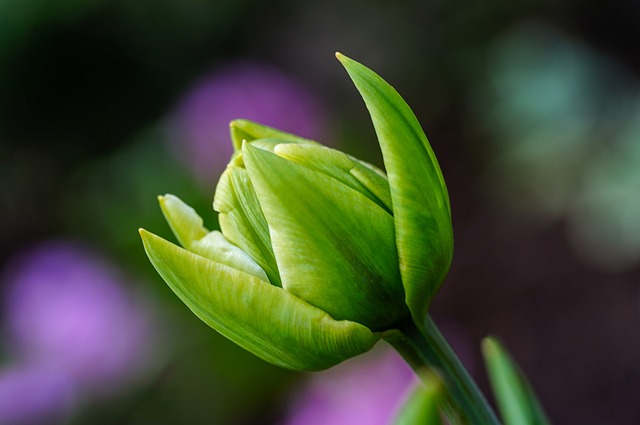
[(532, 107)]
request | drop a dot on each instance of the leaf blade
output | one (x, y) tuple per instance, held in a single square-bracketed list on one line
[(421, 207)]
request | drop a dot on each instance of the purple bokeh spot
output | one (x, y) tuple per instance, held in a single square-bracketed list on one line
[(68, 310), (366, 390), (253, 91), (30, 396)]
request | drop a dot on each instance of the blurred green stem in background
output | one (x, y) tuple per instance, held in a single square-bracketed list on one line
[(423, 404), (515, 398), (427, 348)]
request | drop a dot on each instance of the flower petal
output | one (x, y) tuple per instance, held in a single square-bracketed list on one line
[(187, 226), (338, 165), (335, 248), (245, 130), (375, 181), (424, 235), (242, 221), (264, 319)]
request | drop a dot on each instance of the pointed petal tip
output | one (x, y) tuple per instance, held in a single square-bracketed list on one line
[(151, 240), (146, 237), (163, 200), (249, 148), (343, 58), (166, 197), (145, 234)]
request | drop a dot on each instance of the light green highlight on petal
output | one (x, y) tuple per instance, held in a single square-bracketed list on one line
[(375, 181), (187, 226), (185, 223), (245, 130), (339, 166), (424, 235), (515, 398), (335, 248), (262, 318), (242, 221)]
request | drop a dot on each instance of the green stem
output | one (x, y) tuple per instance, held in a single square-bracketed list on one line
[(427, 348)]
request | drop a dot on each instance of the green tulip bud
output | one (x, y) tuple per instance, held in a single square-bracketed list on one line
[(315, 257)]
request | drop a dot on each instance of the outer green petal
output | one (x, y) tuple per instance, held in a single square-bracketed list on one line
[(242, 221), (262, 318), (335, 247), (187, 226), (245, 130), (339, 166), (420, 201), (375, 181), (515, 397)]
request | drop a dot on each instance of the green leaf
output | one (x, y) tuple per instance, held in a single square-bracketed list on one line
[(264, 319), (422, 406), (187, 226), (335, 247), (245, 130), (419, 196), (516, 400)]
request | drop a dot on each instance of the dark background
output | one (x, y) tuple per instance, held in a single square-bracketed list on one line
[(533, 109)]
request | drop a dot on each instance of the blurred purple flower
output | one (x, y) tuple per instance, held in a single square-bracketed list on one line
[(254, 91), (67, 311), (366, 390), (31, 395)]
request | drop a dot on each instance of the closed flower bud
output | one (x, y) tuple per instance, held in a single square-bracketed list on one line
[(317, 250)]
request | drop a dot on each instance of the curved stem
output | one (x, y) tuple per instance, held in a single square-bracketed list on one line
[(427, 348)]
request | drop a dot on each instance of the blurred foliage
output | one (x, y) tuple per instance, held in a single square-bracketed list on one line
[(564, 120), (516, 399), (109, 198)]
